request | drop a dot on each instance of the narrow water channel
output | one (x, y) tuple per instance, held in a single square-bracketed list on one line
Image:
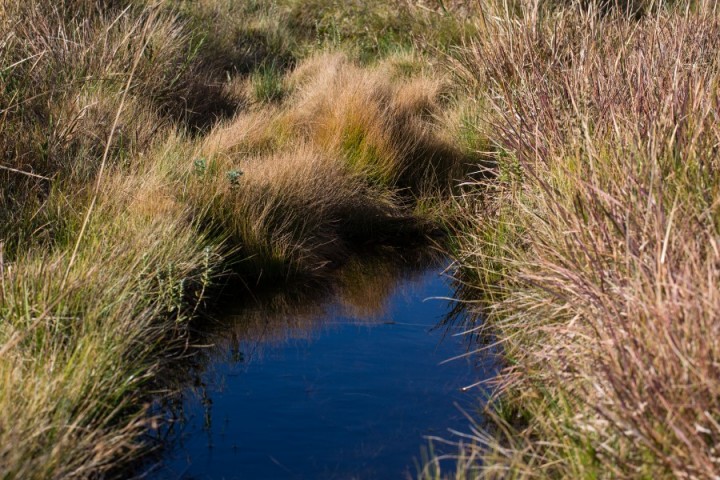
[(340, 381)]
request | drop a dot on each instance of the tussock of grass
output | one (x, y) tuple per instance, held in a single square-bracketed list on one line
[(296, 209), (341, 159), (596, 245), (382, 123)]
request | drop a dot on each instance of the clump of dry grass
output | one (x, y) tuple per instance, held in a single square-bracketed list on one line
[(599, 239), (382, 123), (295, 210), (341, 160)]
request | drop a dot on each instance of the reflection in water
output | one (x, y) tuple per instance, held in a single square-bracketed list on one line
[(341, 379)]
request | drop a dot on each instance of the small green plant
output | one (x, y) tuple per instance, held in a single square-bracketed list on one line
[(234, 177), (200, 166)]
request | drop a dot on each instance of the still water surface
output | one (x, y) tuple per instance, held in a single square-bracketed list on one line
[(337, 382)]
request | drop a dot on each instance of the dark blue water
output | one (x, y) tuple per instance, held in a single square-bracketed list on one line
[(346, 385)]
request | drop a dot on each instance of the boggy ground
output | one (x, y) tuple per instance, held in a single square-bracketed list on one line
[(568, 150)]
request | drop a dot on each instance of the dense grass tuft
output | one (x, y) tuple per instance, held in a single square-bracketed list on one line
[(595, 248)]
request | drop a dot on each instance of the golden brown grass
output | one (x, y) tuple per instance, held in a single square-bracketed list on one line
[(341, 160)]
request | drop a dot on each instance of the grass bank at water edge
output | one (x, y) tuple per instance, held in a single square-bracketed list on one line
[(594, 251)]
